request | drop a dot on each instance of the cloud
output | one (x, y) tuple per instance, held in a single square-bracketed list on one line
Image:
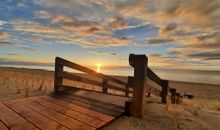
[(62, 18), (104, 53), (2, 22), (191, 22), (13, 54), (117, 22), (4, 35), (157, 40), (33, 27), (3, 43), (207, 55), (42, 14), (22, 5), (6, 61), (26, 48), (80, 32)]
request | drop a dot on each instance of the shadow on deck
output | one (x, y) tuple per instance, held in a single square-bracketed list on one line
[(73, 109)]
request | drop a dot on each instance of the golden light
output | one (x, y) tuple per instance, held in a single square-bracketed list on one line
[(98, 68)]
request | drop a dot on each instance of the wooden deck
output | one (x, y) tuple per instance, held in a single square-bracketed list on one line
[(75, 109)]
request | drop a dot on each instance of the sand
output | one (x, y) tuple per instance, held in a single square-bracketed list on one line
[(202, 112)]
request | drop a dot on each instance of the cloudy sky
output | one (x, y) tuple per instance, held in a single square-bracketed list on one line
[(182, 34)]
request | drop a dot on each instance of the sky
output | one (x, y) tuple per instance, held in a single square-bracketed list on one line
[(182, 34)]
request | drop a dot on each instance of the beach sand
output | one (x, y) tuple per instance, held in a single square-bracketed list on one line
[(202, 112)]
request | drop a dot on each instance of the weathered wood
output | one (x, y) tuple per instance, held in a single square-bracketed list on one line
[(129, 84), (96, 101), (91, 121), (173, 95), (164, 91), (58, 81), (36, 118), (139, 62), (154, 77), (89, 71), (3, 126), (13, 120), (80, 109), (55, 116), (178, 98), (78, 78), (128, 108), (151, 90), (88, 105), (104, 86)]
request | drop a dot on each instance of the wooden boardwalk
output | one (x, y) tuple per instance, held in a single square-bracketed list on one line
[(72, 109), (78, 109)]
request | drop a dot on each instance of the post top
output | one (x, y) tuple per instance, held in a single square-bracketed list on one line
[(137, 58)]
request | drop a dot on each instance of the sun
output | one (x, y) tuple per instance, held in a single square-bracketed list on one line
[(98, 67)]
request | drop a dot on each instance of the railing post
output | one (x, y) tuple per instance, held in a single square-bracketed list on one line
[(173, 95), (139, 62), (104, 86), (58, 81), (128, 85), (177, 98), (164, 91)]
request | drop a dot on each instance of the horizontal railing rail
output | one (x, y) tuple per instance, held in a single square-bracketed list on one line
[(60, 74), (154, 77)]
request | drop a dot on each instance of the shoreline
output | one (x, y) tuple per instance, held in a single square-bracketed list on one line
[(30, 70)]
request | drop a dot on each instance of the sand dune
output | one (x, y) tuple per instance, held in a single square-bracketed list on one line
[(202, 112)]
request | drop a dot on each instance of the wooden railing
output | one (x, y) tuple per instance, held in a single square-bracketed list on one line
[(138, 82), (136, 87), (60, 74)]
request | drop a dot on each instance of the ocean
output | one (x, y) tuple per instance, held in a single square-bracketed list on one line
[(196, 76)]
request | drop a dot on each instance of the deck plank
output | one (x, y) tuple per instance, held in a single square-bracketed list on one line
[(95, 102), (107, 99), (78, 109), (53, 115), (83, 110), (3, 126), (94, 122), (39, 120), (88, 105), (99, 103), (13, 120)]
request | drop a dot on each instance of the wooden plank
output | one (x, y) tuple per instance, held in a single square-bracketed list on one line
[(164, 91), (69, 88), (53, 115), (109, 101), (39, 120), (58, 81), (13, 120), (93, 102), (86, 70), (139, 62), (74, 107), (3, 126), (88, 106), (88, 81), (152, 90), (154, 77), (94, 122), (173, 95), (104, 86), (78, 78)]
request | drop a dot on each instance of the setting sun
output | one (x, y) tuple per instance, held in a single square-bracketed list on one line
[(98, 68)]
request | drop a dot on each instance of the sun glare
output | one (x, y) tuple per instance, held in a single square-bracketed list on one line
[(98, 68)]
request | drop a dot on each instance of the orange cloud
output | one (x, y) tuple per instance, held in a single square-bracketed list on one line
[(4, 35)]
